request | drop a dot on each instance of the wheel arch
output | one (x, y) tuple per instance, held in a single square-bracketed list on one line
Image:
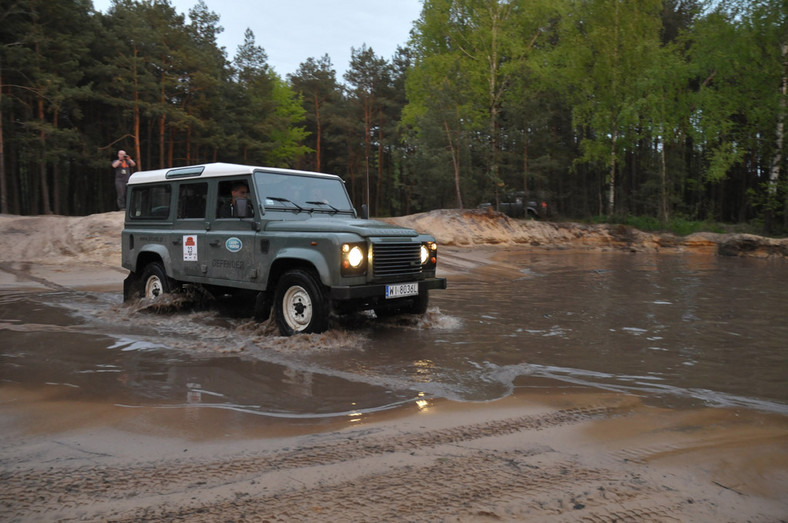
[(155, 253), (306, 260)]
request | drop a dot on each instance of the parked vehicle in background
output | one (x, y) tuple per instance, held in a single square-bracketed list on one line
[(292, 237), (516, 205)]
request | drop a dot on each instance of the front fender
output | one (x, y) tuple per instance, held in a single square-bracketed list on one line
[(307, 256)]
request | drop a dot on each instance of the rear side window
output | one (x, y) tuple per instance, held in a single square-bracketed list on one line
[(150, 202), (192, 198)]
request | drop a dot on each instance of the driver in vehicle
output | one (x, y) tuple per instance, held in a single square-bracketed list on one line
[(230, 208)]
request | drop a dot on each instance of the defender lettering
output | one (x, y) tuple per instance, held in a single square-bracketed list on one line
[(227, 264)]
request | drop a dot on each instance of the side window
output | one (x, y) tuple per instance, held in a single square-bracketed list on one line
[(192, 198), (150, 202), (234, 200)]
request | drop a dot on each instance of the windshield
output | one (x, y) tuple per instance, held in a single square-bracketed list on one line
[(288, 191)]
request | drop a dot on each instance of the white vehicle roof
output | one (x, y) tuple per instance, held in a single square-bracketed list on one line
[(212, 170)]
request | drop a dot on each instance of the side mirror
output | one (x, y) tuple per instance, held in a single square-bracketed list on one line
[(364, 211), (241, 207)]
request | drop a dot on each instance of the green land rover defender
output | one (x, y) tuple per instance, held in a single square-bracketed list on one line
[(291, 238)]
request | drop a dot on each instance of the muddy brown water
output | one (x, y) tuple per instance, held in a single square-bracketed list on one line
[(675, 330)]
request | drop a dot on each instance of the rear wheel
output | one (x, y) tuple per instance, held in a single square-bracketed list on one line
[(155, 281), (300, 304)]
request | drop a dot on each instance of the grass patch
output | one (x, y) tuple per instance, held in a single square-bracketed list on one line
[(679, 226)]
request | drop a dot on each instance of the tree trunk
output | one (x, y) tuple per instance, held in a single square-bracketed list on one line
[(774, 174), (612, 196), (455, 160), (162, 122), (43, 164), (367, 146), (599, 189), (56, 173), (319, 137), (352, 171), (379, 189), (3, 186), (775, 171), (525, 163), (138, 156), (189, 145), (664, 210), (171, 151)]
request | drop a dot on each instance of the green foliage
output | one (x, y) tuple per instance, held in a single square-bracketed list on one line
[(680, 226), (603, 52), (316, 83), (140, 78), (672, 111), (468, 55)]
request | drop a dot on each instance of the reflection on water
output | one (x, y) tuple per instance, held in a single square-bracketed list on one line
[(677, 330), (695, 326)]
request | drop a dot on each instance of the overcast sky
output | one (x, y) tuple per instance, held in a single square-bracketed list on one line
[(290, 31)]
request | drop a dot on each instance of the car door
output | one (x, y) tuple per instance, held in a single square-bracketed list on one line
[(187, 250), (230, 249)]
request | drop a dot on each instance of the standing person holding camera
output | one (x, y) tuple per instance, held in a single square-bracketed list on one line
[(122, 167)]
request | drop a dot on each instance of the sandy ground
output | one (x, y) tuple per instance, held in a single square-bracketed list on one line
[(563, 454)]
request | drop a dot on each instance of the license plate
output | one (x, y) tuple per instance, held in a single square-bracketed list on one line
[(402, 289)]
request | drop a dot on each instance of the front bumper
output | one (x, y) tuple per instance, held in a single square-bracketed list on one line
[(378, 290)]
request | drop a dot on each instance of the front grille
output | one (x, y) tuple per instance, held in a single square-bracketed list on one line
[(396, 259)]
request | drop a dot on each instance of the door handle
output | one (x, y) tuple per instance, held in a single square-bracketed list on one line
[(214, 243)]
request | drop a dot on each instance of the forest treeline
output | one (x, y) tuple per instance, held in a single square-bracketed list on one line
[(660, 108)]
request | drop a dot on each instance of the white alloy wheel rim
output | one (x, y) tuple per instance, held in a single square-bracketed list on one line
[(297, 308), (153, 287)]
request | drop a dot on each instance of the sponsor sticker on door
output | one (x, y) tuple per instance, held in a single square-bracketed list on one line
[(189, 248)]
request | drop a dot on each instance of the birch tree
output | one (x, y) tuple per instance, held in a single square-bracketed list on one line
[(605, 49), (467, 53), (738, 55)]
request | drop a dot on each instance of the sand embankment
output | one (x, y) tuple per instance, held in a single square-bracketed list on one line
[(480, 227), (96, 238)]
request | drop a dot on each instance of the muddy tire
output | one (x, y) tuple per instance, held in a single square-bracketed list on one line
[(154, 281), (300, 304), (420, 304)]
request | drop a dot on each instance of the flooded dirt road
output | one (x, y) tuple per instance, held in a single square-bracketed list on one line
[(675, 330), (689, 347)]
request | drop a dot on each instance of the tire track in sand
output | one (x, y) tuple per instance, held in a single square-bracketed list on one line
[(438, 489), (62, 490)]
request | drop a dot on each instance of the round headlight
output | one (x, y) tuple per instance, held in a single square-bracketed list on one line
[(425, 254), (355, 256)]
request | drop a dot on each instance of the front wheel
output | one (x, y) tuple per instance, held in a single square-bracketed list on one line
[(300, 304), (420, 304), (155, 281)]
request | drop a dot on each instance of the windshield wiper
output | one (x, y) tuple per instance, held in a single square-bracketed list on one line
[(323, 203), (285, 200)]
